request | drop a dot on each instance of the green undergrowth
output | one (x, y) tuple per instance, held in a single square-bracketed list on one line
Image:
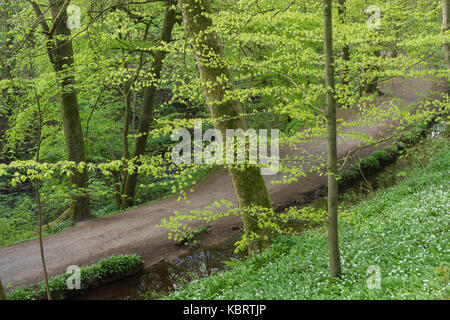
[(381, 157), (18, 216), (401, 231), (105, 271), (18, 220)]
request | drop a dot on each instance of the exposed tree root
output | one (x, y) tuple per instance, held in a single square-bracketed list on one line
[(61, 218)]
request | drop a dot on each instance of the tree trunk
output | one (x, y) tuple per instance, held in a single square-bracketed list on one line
[(118, 188), (445, 28), (60, 52), (2, 291), (248, 183), (41, 241), (37, 189), (146, 115), (333, 242), (126, 122), (64, 64), (345, 50)]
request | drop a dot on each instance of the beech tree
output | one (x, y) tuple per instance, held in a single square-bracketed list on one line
[(37, 186), (146, 116), (60, 53), (333, 242), (248, 183)]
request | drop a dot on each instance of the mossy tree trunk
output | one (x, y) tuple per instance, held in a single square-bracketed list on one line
[(248, 183), (146, 115), (371, 85), (60, 52), (445, 28), (333, 242), (2, 291)]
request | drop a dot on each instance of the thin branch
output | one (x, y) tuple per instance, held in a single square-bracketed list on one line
[(284, 9), (406, 70)]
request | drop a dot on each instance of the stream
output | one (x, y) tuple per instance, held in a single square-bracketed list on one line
[(172, 274)]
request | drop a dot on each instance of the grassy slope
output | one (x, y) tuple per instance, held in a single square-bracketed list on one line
[(402, 230)]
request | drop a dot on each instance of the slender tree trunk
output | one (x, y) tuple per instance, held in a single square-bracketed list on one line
[(118, 191), (118, 188), (2, 291), (129, 113), (248, 183), (445, 28), (38, 192), (126, 122), (60, 52), (333, 242), (146, 115), (345, 50), (133, 113), (41, 241)]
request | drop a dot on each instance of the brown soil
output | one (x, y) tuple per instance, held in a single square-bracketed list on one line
[(135, 231)]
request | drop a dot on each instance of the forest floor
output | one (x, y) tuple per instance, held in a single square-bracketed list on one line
[(135, 231)]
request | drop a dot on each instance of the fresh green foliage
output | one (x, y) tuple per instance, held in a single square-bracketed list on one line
[(18, 219), (368, 164), (190, 238), (407, 239), (274, 50), (279, 222), (382, 156)]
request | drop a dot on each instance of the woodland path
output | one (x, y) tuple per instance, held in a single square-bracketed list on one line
[(134, 231)]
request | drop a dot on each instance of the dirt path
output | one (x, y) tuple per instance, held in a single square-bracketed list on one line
[(134, 231)]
